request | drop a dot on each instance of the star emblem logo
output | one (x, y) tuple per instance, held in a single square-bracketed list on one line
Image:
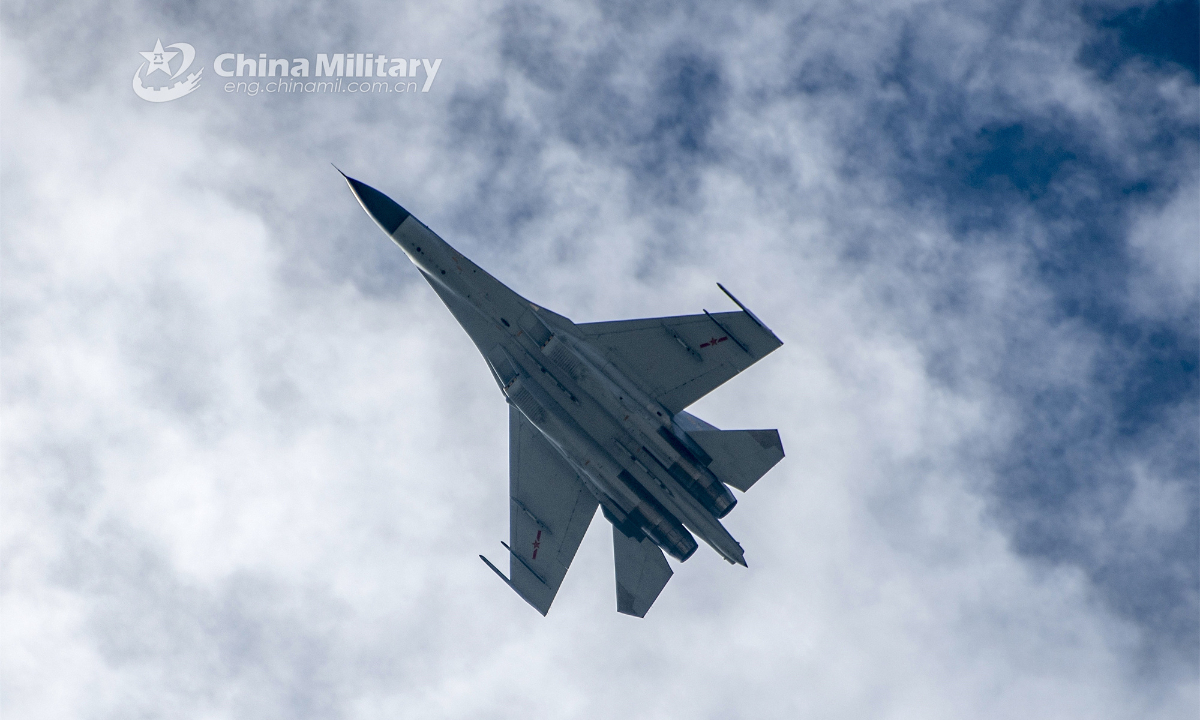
[(159, 59)]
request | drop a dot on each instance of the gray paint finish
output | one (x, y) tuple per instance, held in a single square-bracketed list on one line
[(596, 419)]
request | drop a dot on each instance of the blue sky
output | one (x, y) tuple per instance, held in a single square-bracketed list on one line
[(249, 460)]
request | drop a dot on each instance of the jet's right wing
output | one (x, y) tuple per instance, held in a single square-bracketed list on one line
[(549, 511), (678, 360)]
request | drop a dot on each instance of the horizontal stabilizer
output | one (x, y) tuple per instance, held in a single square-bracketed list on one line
[(642, 573), (740, 457)]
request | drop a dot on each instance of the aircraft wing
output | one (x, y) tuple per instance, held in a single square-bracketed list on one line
[(678, 360), (549, 511)]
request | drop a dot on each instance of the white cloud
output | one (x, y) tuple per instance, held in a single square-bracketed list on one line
[(1165, 244), (241, 481)]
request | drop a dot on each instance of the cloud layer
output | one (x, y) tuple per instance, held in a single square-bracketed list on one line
[(249, 459)]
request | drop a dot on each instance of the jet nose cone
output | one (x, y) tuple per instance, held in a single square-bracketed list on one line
[(380, 207)]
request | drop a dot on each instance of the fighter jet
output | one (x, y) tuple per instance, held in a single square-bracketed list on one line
[(596, 418)]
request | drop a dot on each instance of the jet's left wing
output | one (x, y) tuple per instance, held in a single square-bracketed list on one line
[(678, 360), (549, 511)]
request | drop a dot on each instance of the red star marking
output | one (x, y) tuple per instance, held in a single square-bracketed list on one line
[(537, 543), (714, 341)]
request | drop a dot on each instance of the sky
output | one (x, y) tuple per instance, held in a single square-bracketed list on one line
[(249, 459)]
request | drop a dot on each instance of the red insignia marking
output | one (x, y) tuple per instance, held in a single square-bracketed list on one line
[(714, 341), (537, 543)]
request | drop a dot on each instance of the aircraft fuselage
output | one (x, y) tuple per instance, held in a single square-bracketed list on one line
[(623, 443)]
